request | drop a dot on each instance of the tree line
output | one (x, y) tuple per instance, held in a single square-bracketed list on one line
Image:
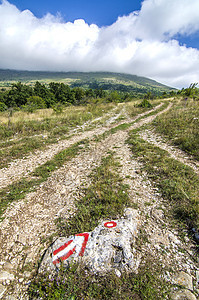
[(23, 96), (26, 97)]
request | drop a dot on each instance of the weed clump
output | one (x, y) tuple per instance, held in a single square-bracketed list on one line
[(145, 104)]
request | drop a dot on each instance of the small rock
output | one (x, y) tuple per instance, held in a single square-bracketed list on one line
[(197, 281), (118, 273), (4, 275), (183, 295), (158, 214), (27, 274), (10, 297), (184, 280), (173, 238)]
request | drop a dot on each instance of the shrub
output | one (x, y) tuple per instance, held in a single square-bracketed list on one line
[(145, 103)]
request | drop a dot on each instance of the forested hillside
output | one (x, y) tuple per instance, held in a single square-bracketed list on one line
[(126, 86)]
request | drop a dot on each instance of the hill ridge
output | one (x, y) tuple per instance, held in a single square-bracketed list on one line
[(84, 78)]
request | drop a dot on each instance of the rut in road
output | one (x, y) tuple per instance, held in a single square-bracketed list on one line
[(23, 167), (155, 139)]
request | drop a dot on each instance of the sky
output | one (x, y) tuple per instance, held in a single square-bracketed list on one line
[(158, 39)]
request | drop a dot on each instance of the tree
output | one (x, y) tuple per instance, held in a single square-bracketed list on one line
[(18, 94), (3, 107), (79, 93), (62, 93), (43, 92), (35, 102), (191, 91)]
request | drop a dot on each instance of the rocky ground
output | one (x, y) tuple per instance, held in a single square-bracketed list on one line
[(29, 223)]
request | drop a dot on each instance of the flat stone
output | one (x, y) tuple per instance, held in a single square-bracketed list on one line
[(183, 295), (4, 275), (184, 280)]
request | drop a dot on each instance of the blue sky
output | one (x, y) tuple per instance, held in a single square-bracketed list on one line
[(158, 39), (101, 13)]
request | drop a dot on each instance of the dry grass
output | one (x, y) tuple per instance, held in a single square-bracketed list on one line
[(40, 114)]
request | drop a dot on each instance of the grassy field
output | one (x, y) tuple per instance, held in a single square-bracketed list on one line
[(24, 143), (18, 190), (180, 126), (178, 183)]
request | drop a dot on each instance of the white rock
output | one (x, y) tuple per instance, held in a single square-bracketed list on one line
[(4, 275), (184, 280), (117, 272), (107, 248), (197, 281), (183, 294)]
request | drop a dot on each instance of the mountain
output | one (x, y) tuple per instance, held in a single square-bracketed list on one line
[(105, 80)]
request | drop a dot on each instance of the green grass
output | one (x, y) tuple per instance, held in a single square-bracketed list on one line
[(180, 125), (106, 197), (77, 283), (178, 183), (22, 148), (18, 190)]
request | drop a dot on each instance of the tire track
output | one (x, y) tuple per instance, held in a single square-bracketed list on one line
[(23, 167), (155, 139)]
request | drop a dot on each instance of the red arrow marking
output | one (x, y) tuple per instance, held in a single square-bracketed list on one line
[(62, 247), (78, 245), (86, 236)]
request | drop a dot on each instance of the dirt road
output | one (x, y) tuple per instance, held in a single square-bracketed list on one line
[(29, 223)]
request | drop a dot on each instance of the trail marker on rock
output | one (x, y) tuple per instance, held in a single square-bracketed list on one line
[(107, 247), (110, 224), (76, 245)]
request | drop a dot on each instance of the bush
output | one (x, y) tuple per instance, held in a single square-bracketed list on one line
[(145, 103), (3, 107)]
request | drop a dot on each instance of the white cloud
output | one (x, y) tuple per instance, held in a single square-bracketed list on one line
[(142, 43)]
